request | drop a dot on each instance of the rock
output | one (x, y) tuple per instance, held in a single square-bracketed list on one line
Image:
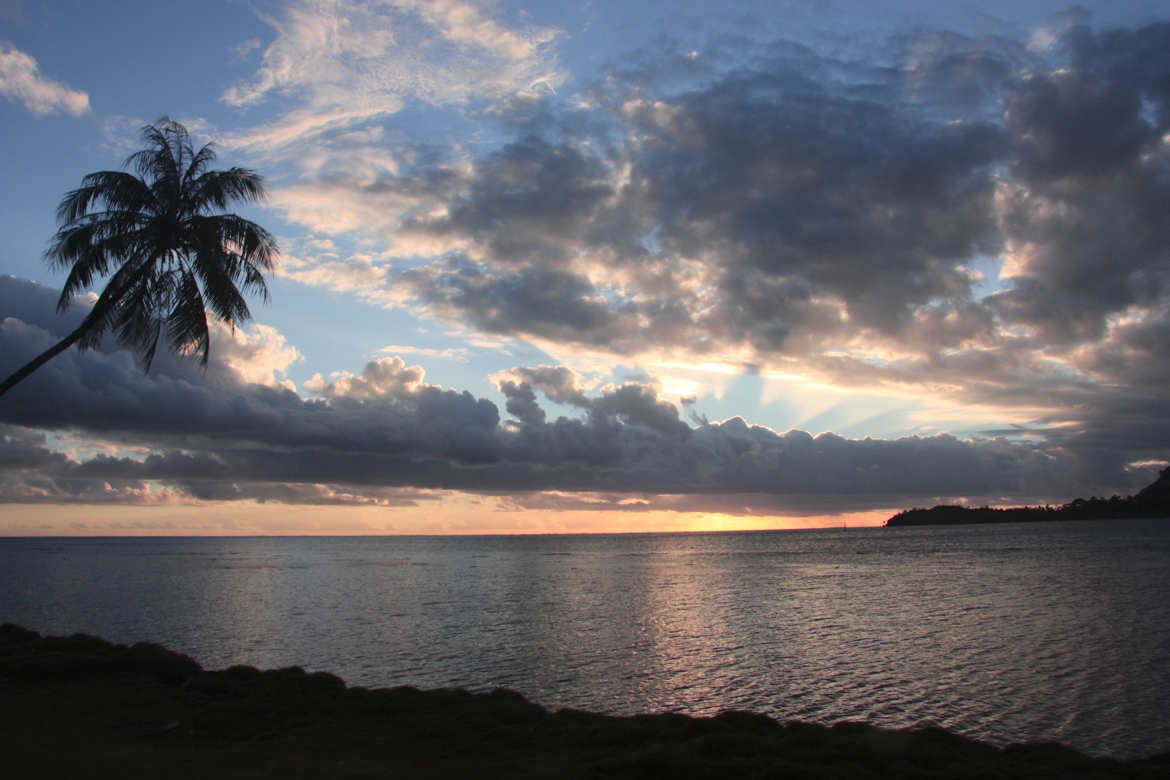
[(165, 665)]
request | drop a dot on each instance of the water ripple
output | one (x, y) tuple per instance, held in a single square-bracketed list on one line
[(1004, 633)]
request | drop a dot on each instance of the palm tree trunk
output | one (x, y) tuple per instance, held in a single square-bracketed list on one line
[(45, 357)]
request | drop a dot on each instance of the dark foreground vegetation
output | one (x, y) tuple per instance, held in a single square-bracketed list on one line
[(1152, 501), (81, 707)]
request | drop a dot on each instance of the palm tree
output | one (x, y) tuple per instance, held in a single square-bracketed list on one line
[(169, 251)]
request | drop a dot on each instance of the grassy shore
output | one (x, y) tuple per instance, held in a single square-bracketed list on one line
[(82, 707)]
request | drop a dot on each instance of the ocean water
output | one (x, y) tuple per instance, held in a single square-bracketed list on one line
[(1005, 633)]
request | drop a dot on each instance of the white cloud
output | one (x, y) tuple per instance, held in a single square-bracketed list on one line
[(364, 275), (245, 48), (387, 377), (463, 23), (351, 61), (455, 353), (313, 121), (338, 209), (259, 355), (21, 80)]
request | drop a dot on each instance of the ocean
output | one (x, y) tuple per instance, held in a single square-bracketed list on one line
[(1005, 633)]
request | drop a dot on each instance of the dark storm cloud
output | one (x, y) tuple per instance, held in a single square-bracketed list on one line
[(800, 200), (632, 403), (948, 72), (1100, 112), (525, 200), (31, 473), (751, 468), (797, 205), (537, 117), (846, 195), (1136, 354), (557, 304), (521, 402), (21, 448), (557, 382), (1090, 182), (105, 393), (638, 405), (808, 190)]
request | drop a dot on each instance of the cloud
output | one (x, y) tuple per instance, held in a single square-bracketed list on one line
[(244, 48), (21, 80), (954, 73), (632, 403), (539, 191), (458, 354), (368, 437), (764, 211), (558, 383), (522, 402), (389, 377), (825, 218), (259, 355), (349, 62), (1085, 234), (799, 211), (974, 220), (729, 467), (31, 473), (359, 273), (557, 304)]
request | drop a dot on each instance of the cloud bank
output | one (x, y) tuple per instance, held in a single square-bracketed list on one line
[(975, 218), (381, 437)]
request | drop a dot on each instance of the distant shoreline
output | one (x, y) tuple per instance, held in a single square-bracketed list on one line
[(1153, 501)]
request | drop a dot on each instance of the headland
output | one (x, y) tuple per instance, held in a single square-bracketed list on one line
[(1152, 501)]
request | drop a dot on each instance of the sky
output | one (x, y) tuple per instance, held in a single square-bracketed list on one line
[(606, 266)]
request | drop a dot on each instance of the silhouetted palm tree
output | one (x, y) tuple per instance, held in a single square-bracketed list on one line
[(169, 251)]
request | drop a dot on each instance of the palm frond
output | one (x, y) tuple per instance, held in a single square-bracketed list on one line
[(219, 188), (253, 244), (187, 321), (217, 272), (163, 160), (198, 165), (109, 309), (106, 230), (92, 248), (137, 321), (88, 265), (141, 312), (254, 283), (116, 189)]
